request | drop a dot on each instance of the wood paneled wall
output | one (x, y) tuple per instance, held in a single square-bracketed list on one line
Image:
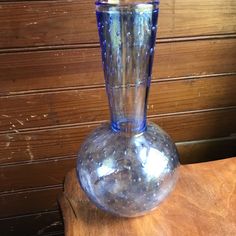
[(52, 94)]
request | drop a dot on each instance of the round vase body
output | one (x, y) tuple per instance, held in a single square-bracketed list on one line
[(127, 174)]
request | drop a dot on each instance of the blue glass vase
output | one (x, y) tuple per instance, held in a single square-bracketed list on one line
[(128, 166)]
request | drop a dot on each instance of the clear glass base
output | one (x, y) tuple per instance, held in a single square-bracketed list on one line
[(127, 174)]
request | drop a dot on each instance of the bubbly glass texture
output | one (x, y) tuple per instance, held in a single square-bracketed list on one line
[(127, 175), (127, 167), (127, 38)]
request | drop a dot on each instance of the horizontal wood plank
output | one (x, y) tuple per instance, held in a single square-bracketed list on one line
[(57, 69), (54, 23), (43, 200), (90, 105), (28, 202), (44, 174), (207, 150), (48, 173), (64, 142), (44, 223)]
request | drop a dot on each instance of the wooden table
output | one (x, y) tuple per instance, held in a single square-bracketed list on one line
[(203, 203)]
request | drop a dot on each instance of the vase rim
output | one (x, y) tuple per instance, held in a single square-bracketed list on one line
[(125, 2)]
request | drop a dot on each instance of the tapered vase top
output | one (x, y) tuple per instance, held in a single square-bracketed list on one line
[(127, 33)]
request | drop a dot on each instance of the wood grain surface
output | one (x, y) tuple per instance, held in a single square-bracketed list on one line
[(45, 70), (51, 173), (52, 22), (90, 105), (64, 142), (203, 203)]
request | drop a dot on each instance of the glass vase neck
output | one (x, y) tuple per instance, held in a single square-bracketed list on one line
[(127, 39), (128, 107)]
